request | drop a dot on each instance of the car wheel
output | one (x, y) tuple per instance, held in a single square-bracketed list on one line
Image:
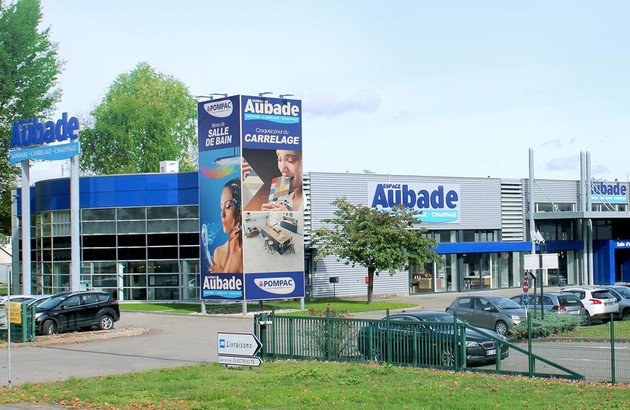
[(625, 314), (447, 356), (501, 328), (106, 322), (49, 328), (587, 320)]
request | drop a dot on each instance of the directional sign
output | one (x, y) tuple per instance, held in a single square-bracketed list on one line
[(238, 344), (525, 286), (240, 361), (525, 300)]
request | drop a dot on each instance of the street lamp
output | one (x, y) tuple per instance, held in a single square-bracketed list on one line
[(211, 96), (285, 95), (265, 93)]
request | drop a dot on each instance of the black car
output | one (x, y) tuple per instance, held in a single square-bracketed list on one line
[(76, 310), (427, 337)]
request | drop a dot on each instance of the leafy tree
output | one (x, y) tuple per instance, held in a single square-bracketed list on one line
[(377, 240), (145, 117), (29, 68)]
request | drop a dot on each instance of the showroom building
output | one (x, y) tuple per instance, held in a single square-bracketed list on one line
[(139, 234)]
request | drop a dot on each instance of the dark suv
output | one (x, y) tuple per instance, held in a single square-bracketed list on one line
[(76, 310)]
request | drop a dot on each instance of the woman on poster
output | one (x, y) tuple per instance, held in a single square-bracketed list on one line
[(228, 258), (290, 165)]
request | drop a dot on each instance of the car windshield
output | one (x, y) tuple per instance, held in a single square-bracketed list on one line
[(441, 318), (505, 303), (602, 294), (52, 302), (625, 292)]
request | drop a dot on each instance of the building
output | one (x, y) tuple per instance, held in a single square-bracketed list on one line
[(140, 233)]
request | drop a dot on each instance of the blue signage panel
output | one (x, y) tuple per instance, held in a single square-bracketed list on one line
[(274, 285), (46, 152), (437, 203), (272, 123), (219, 124), (610, 192)]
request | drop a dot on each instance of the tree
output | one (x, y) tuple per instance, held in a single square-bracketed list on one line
[(29, 68), (145, 117), (375, 239)]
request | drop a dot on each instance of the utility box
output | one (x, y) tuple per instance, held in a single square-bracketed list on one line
[(167, 167), (21, 322)]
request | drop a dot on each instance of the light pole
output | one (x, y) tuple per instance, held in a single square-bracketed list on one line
[(211, 96)]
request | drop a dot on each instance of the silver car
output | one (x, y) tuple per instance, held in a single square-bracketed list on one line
[(488, 311), (562, 303), (622, 293)]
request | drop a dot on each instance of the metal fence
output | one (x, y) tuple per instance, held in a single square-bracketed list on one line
[(443, 346)]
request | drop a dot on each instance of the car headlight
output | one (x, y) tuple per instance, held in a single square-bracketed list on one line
[(38, 315), (516, 319), (471, 344)]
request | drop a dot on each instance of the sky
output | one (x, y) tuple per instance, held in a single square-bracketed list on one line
[(418, 87)]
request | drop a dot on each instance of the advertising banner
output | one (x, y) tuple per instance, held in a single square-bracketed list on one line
[(220, 214), (252, 238), (609, 192), (437, 203)]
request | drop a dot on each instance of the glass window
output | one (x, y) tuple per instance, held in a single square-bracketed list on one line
[(102, 281), (132, 227), (186, 212), (91, 228), (128, 254), (163, 280), (168, 252), (191, 225), (165, 212), (125, 214), (61, 217), (61, 229), (104, 267), (105, 214), (89, 299), (163, 266), (162, 226), (99, 241), (72, 301)]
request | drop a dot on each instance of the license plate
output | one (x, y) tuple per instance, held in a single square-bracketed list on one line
[(492, 352)]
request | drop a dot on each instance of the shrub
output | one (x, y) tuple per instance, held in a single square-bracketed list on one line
[(333, 338), (552, 324)]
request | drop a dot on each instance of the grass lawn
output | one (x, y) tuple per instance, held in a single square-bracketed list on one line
[(225, 308), (317, 385)]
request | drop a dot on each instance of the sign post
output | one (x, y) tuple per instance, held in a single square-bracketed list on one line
[(238, 349)]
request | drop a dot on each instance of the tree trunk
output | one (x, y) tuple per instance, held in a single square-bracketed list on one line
[(370, 284)]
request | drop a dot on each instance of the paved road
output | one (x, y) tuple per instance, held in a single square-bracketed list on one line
[(173, 341)]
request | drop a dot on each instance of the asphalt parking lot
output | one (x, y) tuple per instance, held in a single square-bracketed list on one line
[(168, 341), (155, 341)]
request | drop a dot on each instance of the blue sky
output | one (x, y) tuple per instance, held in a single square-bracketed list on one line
[(442, 88)]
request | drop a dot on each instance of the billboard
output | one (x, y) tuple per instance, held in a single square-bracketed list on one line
[(437, 203), (250, 198)]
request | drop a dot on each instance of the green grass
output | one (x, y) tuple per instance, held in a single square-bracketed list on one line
[(319, 305), (317, 385), (622, 330)]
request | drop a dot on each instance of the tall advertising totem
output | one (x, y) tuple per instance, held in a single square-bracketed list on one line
[(251, 200)]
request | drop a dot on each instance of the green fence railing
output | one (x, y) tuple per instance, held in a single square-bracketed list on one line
[(404, 343)]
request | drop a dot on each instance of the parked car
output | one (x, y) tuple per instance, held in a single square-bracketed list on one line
[(598, 302), (498, 313), (12, 298), (562, 303), (76, 310), (622, 294), (427, 337)]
